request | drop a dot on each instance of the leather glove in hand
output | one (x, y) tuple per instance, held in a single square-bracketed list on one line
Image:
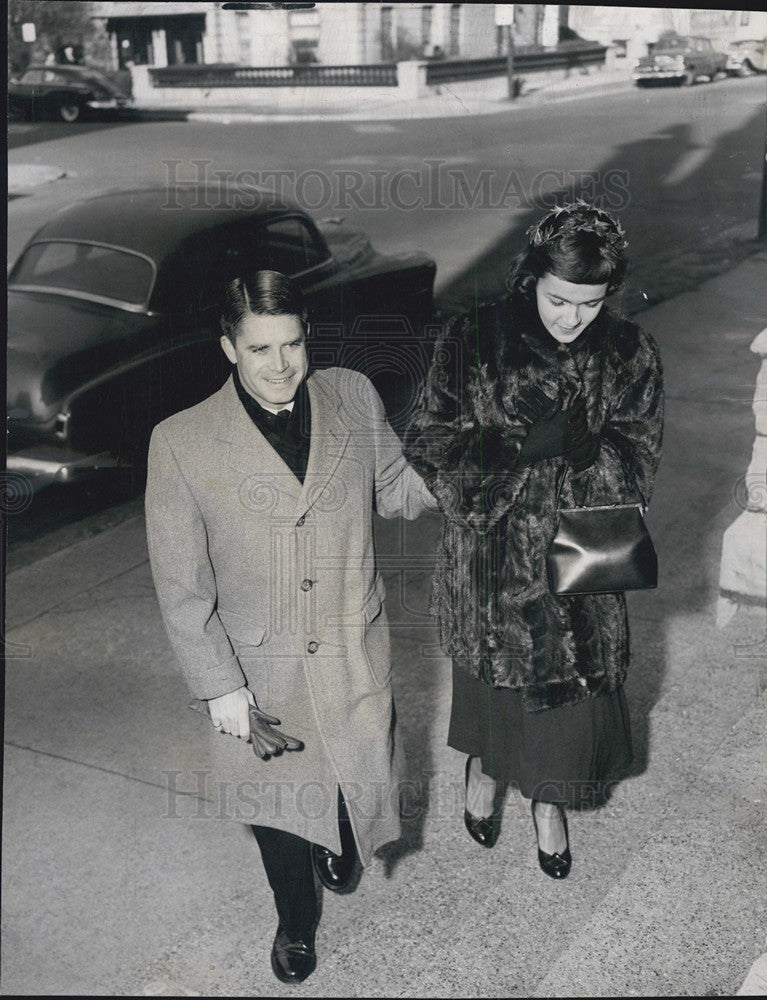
[(581, 447), (265, 741)]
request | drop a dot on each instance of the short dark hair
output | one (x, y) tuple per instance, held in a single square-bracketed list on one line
[(577, 242), (260, 293)]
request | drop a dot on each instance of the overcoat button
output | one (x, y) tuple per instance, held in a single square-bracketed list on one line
[(313, 647), (307, 585), (301, 522)]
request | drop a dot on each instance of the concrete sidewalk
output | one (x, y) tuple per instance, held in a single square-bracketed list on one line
[(451, 100), (121, 879)]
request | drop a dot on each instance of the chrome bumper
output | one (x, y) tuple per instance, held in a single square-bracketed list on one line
[(670, 74), (47, 464), (110, 105)]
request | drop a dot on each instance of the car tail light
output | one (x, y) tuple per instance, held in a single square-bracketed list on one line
[(61, 426)]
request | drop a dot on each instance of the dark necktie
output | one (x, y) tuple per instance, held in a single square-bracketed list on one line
[(281, 421)]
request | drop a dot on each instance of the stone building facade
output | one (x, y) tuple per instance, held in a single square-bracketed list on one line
[(161, 34)]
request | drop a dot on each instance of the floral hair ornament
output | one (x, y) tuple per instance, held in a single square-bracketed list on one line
[(577, 217)]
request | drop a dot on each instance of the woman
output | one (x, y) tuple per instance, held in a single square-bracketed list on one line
[(543, 381)]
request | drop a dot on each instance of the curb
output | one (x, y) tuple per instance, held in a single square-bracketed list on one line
[(444, 105), (25, 177), (451, 108)]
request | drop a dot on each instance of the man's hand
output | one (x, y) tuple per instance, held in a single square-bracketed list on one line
[(229, 713), (238, 714)]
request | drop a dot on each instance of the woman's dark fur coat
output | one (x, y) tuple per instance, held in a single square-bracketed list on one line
[(490, 592)]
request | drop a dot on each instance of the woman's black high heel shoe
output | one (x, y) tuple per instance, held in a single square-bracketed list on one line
[(554, 865), (484, 830)]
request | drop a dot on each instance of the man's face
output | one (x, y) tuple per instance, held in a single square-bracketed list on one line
[(566, 308), (270, 354)]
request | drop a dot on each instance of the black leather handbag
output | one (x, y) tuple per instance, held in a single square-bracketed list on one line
[(601, 550)]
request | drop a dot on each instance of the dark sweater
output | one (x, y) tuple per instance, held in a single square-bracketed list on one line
[(290, 438)]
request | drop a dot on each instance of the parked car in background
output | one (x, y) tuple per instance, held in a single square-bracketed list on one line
[(65, 93), (680, 60), (114, 305), (747, 57)]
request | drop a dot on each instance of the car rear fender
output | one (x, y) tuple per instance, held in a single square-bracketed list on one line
[(117, 409)]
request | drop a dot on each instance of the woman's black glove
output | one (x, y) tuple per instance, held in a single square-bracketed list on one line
[(547, 426), (545, 439), (581, 447), (533, 405), (553, 432)]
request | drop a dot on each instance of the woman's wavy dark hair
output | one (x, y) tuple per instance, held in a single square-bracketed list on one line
[(261, 293), (576, 242)]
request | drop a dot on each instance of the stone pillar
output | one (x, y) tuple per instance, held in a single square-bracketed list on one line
[(550, 25), (743, 572), (159, 47), (411, 80), (141, 85)]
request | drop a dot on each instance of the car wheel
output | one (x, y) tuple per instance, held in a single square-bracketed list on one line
[(745, 69), (688, 79), (69, 111)]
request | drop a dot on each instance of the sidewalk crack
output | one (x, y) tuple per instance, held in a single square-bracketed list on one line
[(100, 767)]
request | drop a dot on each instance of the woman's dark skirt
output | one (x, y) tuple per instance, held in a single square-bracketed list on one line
[(567, 755)]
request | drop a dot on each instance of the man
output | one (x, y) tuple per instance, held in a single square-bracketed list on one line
[(259, 504)]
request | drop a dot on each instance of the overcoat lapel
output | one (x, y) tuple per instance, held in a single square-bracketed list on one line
[(329, 438), (249, 453)]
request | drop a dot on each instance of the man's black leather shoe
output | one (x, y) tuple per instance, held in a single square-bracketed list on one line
[(334, 870), (292, 961)]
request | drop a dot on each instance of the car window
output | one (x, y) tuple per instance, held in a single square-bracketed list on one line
[(51, 76), (286, 245), (292, 247), (87, 268)]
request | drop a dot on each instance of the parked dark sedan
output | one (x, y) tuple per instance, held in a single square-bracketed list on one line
[(114, 305), (681, 60), (67, 93)]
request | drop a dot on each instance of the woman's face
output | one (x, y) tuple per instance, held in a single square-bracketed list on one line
[(565, 308)]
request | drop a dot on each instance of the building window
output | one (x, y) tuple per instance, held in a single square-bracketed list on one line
[(183, 36), (387, 34), (427, 15), (304, 32), (242, 23), (133, 38), (454, 43)]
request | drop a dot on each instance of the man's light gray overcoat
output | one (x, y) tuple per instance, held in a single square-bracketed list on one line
[(267, 582)]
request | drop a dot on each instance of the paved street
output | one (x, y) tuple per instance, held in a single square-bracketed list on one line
[(681, 166), (120, 879)]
